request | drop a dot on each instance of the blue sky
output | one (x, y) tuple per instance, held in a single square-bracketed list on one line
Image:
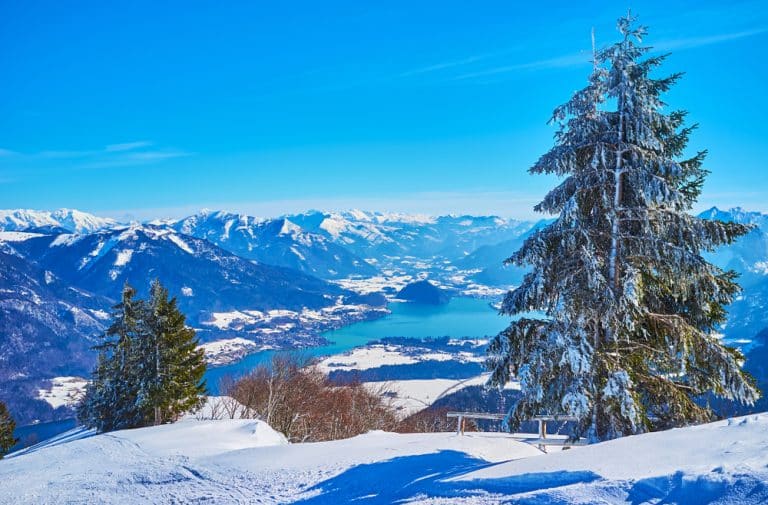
[(143, 109)]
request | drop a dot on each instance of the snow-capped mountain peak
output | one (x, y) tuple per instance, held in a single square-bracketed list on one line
[(289, 228), (81, 222), (734, 214), (68, 219), (281, 241)]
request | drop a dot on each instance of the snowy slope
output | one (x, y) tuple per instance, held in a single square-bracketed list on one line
[(723, 462), (242, 461)]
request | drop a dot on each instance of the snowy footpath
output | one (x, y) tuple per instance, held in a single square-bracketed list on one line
[(245, 461)]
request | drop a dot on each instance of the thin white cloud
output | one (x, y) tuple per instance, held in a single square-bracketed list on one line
[(127, 146), (113, 155), (557, 62), (694, 42), (448, 64), (61, 155), (581, 58), (127, 159)]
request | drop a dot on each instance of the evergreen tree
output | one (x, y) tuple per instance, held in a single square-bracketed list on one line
[(113, 398), (149, 368), (626, 341), (7, 427), (175, 363)]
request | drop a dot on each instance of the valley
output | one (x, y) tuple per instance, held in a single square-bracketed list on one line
[(324, 283)]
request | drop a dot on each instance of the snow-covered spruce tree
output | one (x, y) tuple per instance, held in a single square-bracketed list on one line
[(625, 341), (7, 427)]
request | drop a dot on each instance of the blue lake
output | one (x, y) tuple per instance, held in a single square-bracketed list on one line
[(461, 317), (34, 433)]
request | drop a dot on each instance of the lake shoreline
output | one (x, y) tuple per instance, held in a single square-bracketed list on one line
[(461, 317)]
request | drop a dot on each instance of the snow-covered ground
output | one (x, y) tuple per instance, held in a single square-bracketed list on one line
[(17, 236), (260, 324), (245, 461), (412, 395), (390, 281), (376, 355), (722, 462), (229, 350), (63, 391)]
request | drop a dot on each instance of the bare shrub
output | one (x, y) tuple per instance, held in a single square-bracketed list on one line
[(298, 400)]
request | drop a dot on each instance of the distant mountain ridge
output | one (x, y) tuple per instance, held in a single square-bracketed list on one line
[(207, 277), (67, 219), (372, 235), (748, 256), (57, 289), (735, 214), (276, 241)]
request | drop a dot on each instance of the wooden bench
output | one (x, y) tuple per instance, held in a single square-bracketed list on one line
[(542, 441)]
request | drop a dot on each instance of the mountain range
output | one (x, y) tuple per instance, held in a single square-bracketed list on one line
[(70, 220), (277, 242), (60, 272)]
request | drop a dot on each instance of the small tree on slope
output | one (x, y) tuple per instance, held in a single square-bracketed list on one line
[(626, 342), (7, 427)]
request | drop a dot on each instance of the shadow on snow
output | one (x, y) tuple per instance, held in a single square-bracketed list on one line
[(409, 477)]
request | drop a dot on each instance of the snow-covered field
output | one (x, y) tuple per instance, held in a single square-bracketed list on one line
[(63, 391), (376, 355), (412, 395), (409, 396), (229, 350), (260, 324), (245, 461)]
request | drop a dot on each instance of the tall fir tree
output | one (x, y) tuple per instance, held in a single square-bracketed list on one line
[(7, 427), (175, 363), (149, 368), (113, 398), (626, 340)]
